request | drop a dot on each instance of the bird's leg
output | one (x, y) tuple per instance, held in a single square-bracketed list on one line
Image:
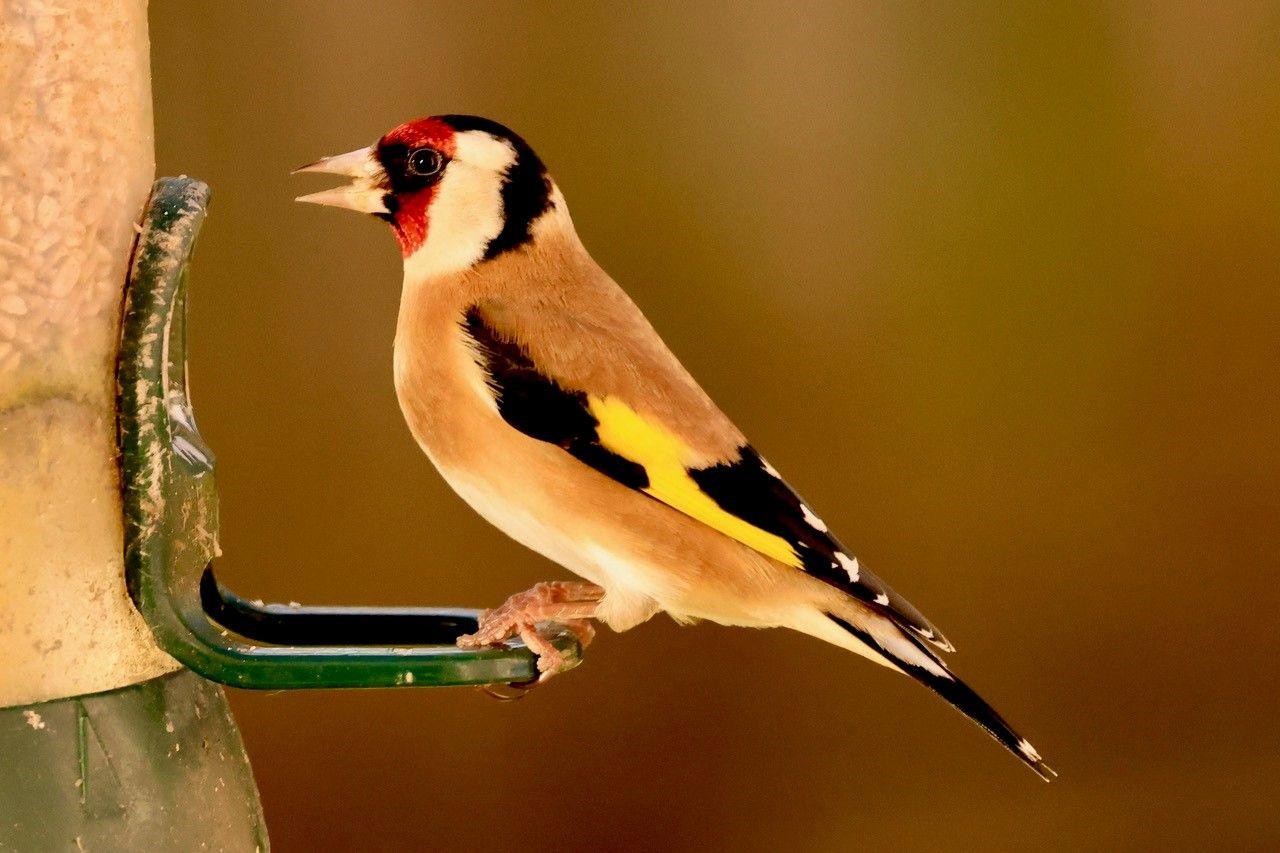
[(573, 603)]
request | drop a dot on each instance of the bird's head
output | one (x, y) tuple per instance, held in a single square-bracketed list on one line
[(457, 190)]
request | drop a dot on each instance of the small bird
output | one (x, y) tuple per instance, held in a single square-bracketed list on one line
[(550, 405)]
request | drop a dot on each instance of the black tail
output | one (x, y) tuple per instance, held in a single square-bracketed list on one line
[(960, 695)]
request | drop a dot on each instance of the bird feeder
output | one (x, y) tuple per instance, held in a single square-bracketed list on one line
[(171, 522)]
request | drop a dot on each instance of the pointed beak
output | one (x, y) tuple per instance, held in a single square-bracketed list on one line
[(365, 193), (354, 164)]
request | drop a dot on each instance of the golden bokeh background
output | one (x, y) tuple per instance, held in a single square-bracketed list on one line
[(994, 286)]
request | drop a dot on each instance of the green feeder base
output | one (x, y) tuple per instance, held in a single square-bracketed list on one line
[(156, 766)]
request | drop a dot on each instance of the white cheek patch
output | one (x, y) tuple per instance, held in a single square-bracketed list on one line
[(466, 211), (465, 214), (483, 151)]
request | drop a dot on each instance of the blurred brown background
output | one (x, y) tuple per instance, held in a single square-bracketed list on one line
[(995, 287)]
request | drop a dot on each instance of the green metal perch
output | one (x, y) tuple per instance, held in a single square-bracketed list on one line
[(171, 522)]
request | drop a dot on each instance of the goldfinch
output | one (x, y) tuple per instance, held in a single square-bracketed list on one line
[(551, 406)]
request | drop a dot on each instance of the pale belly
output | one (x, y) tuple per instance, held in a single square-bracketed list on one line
[(632, 592)]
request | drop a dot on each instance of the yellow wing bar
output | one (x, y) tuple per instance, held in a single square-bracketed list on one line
[(663, 456)]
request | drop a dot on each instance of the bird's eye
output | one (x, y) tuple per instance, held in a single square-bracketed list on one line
[(424, 162)]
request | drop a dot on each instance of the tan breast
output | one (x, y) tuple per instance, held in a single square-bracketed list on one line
[(440, 386)]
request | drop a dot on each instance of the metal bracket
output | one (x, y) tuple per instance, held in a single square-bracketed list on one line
[(171, 522)]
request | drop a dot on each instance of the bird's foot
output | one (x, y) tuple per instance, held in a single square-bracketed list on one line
[(572, 603)]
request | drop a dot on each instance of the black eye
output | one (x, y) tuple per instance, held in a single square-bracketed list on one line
[(424, 162)]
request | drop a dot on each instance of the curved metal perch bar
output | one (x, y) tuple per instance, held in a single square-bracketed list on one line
[(171, 522)]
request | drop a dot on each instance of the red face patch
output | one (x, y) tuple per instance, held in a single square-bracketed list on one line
[(413, 195), (427, 132), (411, 219)]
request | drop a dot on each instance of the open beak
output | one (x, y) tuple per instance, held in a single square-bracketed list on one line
[(365, 193)]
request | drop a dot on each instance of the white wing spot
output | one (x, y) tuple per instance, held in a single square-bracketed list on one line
[(1028, 750), (769, 469), (849, 564), (812, 520), (882, 600)]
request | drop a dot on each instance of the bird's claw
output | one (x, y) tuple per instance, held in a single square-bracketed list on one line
[(525, 614), (496, 630)]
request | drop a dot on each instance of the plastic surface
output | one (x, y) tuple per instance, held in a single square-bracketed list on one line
[(171, 512), (76, 165), (158, 766)]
